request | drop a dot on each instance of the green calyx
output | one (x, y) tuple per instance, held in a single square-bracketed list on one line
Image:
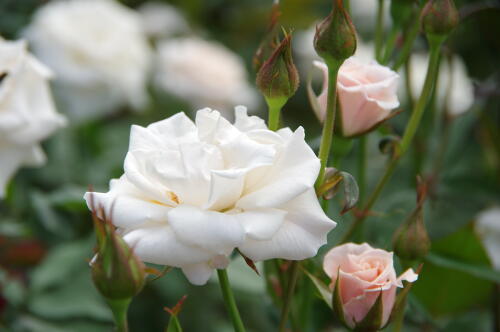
[(439, 17), (278, 78), (117, 273), (335, 38)]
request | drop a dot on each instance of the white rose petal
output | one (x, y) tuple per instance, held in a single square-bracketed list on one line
[(193, 192), (27, 112)]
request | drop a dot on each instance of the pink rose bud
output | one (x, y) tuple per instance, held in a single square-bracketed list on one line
[(362, 274), (367, 95)]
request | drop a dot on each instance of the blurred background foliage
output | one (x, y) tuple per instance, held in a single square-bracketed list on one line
[(46, 234)]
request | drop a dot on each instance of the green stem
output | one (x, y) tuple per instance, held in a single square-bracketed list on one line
[(391, 42), (274, 106), (362, 167), (292, 281), (379, 29), (409, 39), (231, 307), (418, 111), (331, 105), (119, 309), (411, 128)]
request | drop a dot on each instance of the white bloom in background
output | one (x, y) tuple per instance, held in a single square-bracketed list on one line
[(162, 20), (364, 14), (454, 85), (488, 227), (27, 112), (203, 73), (98, 51), (193, 192)]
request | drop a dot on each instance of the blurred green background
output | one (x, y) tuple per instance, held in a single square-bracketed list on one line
[(46, 235)]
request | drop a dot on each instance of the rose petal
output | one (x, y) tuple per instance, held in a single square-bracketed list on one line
[(215, 232), (158, 244), (302, 233), (198, 274), (261, 224), (294, 172)]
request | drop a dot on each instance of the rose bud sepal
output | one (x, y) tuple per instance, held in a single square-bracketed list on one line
[(411, 241), (439, 18), (270, 40), (116, 272), (335, 38), (278, 78), (373, 318)]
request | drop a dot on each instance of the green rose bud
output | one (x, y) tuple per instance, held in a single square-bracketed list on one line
[(278, 78), (335, 38), (439, 17)]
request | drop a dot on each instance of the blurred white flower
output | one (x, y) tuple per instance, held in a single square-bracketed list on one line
[(162, 20), (27, 112), (98, 51), (364, 14), (203, 73), (488, 227), (454, 85), (193, 192)]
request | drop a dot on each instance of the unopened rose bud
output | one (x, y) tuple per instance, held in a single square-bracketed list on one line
[(364, 285), (270, 40), (335, 38), (116, 271), (439, 17), (278, 78), (411, 240)]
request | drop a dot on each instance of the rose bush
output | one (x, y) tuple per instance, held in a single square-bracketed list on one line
[(193, 192), (27, 112), (367, 95), (363, 273), (203, 73), (99, 52)]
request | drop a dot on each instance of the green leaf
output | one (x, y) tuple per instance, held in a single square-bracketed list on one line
[(456, 277), (174, 325), (337, 305), (373, 319), (479, 271), (323, 290)]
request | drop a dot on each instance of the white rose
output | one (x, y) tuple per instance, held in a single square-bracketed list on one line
[(203, 73), (98, 51), (162, 20), (193, 192), (488, 227), (27, 112), (454, 85)]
